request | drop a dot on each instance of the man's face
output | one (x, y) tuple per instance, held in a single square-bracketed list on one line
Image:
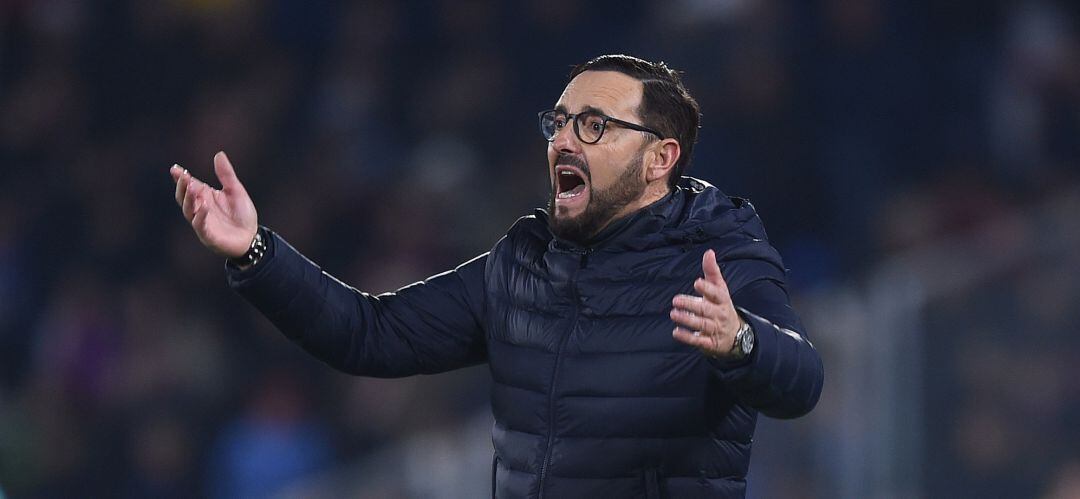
[(593, 184)]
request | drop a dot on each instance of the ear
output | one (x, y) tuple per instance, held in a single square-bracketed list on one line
[(661, 160)]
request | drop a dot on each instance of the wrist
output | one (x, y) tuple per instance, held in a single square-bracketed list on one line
[(744, 341), (256, 251)]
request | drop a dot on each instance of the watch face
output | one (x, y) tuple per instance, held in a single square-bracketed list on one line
[(748, 341)]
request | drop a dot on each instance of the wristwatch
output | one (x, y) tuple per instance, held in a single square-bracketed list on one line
[(744, 341), (254, 253)]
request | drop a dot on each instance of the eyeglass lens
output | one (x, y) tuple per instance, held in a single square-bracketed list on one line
[(589, 126)]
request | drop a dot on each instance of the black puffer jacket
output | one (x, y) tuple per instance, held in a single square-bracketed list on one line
[(592, 397)]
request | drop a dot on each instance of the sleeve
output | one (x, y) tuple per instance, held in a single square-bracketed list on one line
[(783, 376), (427, 327)]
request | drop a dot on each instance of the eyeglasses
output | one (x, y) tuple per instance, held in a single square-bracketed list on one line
[(589, 126)]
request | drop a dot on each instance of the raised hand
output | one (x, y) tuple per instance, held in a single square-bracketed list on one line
[(709, 321), (224, 219)]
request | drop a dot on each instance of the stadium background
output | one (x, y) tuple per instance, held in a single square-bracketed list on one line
[(916, 163)]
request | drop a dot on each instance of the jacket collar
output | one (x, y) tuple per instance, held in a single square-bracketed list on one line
[(692, 214), (617, 229)]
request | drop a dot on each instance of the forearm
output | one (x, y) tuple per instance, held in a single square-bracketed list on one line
[(783, 376), (386, 336)]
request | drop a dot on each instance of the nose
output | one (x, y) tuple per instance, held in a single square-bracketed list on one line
[(566, 141)]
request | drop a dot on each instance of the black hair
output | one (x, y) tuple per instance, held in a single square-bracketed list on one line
[(666, 105)]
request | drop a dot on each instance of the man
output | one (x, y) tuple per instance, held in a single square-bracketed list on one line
[(633, 330)]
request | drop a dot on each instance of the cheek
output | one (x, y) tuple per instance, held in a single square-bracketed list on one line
[(551, 155), (606, 168), (603, 176)]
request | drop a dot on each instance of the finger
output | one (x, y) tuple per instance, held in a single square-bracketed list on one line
[(199, 219), (197, 190), (688, 337), (710, 267), (176, 172), (225, 172), (696, 305), (181, 187), (689, 320), (701, 341), (188, 205), (713, 292), (688, 302)]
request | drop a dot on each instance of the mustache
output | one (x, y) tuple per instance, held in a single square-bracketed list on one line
[(567, 159)]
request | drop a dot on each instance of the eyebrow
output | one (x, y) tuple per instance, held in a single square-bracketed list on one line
[(562, 109)]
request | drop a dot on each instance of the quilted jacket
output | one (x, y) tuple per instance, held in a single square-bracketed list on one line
[(591, 395)]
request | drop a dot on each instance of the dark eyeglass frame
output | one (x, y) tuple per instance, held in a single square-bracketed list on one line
[(604, 119)]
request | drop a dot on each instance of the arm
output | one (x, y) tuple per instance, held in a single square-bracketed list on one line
[(427, 327), (783, 375)]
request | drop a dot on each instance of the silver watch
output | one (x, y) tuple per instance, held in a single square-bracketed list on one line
[(744, 341)]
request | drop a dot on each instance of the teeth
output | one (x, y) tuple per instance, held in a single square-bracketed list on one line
[(571, 193)]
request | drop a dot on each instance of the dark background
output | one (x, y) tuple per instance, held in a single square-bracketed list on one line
[(916, 163)]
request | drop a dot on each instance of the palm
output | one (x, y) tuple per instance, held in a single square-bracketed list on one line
[(228, 221), (224, 219)]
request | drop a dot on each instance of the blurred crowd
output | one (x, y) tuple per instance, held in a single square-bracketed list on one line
[(390, 140)]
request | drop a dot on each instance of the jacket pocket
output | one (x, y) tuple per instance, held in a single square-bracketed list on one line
[(652, 484)]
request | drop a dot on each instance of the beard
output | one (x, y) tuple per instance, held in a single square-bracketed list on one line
[(603, 204)]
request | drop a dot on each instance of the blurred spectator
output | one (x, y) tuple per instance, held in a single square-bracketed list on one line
[(390, 140), (272, 444)]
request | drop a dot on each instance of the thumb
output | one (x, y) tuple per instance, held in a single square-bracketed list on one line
[(223, 168), (710, 268)]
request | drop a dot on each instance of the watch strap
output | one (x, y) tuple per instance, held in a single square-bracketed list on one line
[(255, 251)]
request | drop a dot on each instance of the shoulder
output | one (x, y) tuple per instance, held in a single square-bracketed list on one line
[(530, 230), (528, 235), (731, 226)]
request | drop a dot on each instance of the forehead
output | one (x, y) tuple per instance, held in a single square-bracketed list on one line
[(612, 92)]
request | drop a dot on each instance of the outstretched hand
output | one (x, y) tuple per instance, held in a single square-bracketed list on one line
[(707, 321), (224, 219)]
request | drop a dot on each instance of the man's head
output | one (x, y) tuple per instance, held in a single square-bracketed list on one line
[(623, 132)]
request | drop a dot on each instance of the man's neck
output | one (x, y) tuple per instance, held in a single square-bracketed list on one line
[(654, 192), (646, 200)]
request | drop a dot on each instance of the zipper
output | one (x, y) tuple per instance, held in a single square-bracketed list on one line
[(652, 484), (555, 370), (494, 472)]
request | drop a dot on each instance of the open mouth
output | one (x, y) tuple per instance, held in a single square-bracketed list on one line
[(570, 182)]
